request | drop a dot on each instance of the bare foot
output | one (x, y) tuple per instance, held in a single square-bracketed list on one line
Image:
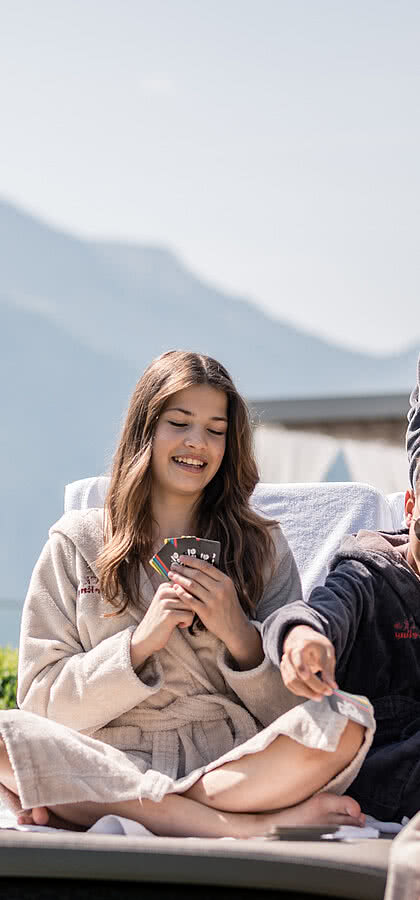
[(41, 815), (321, 809)]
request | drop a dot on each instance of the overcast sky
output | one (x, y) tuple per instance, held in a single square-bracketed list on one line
[(273, 144)]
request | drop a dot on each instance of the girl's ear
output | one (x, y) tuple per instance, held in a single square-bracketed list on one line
[(409, 504)]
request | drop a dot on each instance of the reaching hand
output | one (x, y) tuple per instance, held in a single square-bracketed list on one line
[(306, 653)]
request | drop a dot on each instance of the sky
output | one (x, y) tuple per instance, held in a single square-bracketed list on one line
[(274, 145)]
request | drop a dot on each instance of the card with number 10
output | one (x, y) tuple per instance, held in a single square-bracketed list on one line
[(192, 546)]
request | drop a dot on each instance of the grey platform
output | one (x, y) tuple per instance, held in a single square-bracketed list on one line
[(77, 865)]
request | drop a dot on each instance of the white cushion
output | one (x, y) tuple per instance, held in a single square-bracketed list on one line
[(396, 504), (315, 517)]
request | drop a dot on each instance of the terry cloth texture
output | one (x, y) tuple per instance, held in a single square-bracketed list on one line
[(369, 608), (314, 517), (403, 881), (54, 764), (102, 730), (413, 428)]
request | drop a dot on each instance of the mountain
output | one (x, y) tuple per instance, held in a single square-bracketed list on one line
[(60, 414), (132, 302), (79, 321)]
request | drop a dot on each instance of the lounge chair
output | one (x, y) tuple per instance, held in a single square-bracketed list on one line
[(43, 865)]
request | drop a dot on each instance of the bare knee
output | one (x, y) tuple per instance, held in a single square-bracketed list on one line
[(351, 740)]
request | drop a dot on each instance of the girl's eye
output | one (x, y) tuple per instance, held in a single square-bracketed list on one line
[(184, 425)]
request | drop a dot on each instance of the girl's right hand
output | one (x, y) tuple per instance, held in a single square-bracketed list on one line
[(165, 612)]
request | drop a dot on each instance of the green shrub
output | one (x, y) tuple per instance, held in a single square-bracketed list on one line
[(8, 677)]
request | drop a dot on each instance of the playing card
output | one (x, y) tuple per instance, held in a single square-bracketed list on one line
[(300, 832), (173, 548), (353, 706), (201, 548)]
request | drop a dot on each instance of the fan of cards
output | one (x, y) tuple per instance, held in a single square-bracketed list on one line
[(186, 545)]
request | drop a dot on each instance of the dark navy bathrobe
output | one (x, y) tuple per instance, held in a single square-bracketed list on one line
[(369, 608)]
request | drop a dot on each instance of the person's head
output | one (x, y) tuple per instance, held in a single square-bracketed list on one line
[(189, 443), (185, 407), (412, 518)]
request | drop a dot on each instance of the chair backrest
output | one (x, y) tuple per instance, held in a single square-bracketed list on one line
[(315, 517)]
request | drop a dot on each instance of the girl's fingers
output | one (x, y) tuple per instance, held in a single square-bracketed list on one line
[(199, 567), (186, 618), (187, 598), (188, 583), (167, 592), (182, 601)]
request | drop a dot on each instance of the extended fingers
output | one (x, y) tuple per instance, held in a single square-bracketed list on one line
[(200, 565), (300, 668), (306, 666), (190, 580), (297, 685)]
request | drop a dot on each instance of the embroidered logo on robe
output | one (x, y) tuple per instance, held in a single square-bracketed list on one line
[(406, 629), (89, 585)]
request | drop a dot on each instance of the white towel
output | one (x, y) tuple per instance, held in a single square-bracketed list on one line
[(315, 517)]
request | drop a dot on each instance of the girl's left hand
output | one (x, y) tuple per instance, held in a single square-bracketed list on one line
[(212, 595)]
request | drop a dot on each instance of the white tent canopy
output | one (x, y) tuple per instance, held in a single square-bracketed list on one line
[(298, 456)]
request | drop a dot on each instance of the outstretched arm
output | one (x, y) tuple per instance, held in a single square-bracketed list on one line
[(333, 610)]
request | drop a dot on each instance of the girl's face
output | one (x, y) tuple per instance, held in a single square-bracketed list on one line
[(190, 439)]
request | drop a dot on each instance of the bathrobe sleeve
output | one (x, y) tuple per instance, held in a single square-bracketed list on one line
[(261, 689), (57, 677)]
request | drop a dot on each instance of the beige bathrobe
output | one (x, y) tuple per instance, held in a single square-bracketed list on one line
[(91, 727)]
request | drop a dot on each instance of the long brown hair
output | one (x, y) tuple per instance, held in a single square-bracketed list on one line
[(223, 512)]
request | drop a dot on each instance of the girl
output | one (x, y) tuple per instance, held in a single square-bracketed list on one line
[(122, 709)]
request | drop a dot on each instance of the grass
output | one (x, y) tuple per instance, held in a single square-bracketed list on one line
[(8, 677)]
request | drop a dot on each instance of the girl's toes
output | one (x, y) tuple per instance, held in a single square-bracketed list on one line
[(40, 815), (24, 819), (352, 807), (338, 819), (339, 810)]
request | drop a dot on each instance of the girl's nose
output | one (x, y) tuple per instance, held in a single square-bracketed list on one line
[(196, 438)]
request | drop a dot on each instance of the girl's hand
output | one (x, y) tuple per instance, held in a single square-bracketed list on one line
[(212, 595), (166, 611), (306, 652)]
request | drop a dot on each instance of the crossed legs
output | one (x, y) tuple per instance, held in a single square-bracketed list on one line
[(239, 799)]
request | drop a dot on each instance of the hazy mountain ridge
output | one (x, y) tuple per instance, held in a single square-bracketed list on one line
[(133, 302), (79, 321), (62, 405)]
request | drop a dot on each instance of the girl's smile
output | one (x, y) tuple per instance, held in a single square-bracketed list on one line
[(190, 463)]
